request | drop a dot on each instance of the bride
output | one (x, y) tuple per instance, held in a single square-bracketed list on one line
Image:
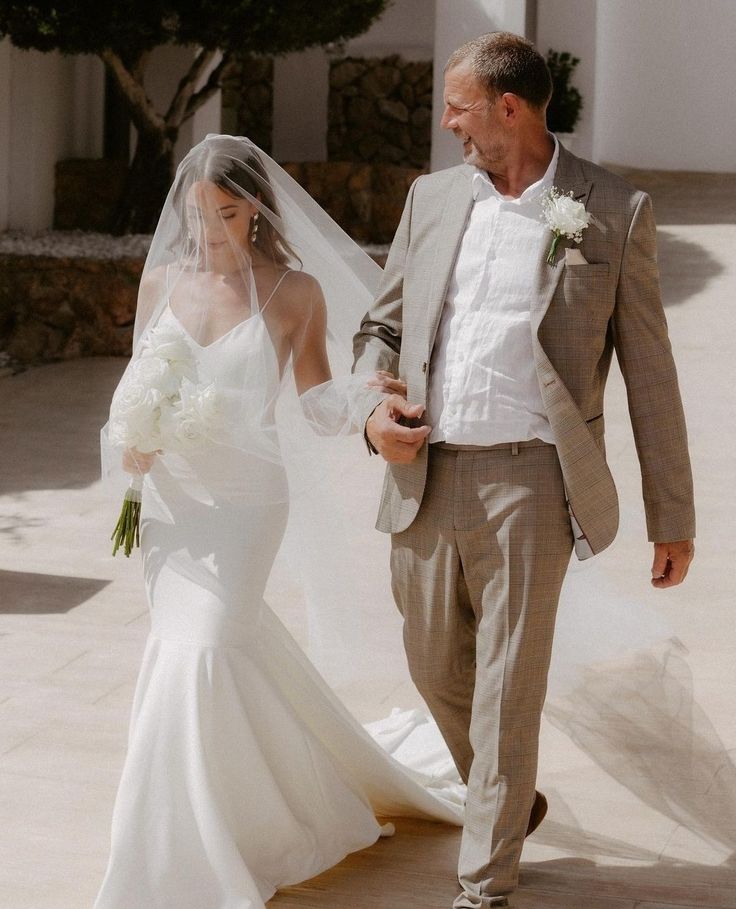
[(244, 772)]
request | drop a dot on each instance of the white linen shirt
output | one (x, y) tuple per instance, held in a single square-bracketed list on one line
[(483, 387)]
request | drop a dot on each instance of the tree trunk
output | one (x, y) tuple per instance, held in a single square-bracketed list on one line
[(150, 176)]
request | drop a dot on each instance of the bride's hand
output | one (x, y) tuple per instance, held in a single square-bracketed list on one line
[(384, 381), (138, 462)]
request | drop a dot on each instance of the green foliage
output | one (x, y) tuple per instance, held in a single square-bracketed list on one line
[(128, 28), (566, 103)]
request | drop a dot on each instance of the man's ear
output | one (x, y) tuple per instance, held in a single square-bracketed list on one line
[(510, 105)]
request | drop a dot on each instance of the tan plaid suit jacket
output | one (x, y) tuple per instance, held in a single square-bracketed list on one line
[(580, 314)]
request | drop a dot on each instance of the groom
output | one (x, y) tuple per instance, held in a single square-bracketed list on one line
[(496, 464)]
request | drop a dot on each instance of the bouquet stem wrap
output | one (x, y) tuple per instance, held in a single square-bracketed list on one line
[(127, 529)]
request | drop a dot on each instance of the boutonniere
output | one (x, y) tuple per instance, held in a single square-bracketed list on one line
[(565, 217)]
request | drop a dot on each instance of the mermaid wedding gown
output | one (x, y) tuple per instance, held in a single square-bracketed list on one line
[(244, 771)]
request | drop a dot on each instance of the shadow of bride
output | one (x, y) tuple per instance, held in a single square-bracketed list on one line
[(639, 722)]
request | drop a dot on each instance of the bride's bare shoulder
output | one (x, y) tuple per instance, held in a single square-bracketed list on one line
[(154, 280), (299, 283), (297, 292)]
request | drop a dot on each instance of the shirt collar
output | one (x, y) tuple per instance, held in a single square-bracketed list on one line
[(483, 185)]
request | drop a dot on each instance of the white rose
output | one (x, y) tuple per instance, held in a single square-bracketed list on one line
[(196, 417), (167, 343), (134, 415), (570, 217), (156, 373)]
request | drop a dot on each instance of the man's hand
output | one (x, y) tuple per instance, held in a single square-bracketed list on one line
[(671, 562), (397, 444)]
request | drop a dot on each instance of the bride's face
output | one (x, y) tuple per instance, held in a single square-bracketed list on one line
[(220, 223)]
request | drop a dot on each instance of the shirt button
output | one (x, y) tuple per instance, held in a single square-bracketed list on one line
[(424, 367)]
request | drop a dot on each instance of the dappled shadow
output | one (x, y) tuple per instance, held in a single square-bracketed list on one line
[(28, 593), (13, 523), (685, 268), (50, 420)]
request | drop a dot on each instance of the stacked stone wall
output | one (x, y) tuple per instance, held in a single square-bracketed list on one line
[(366, 200), (61, 309), (380, 110)]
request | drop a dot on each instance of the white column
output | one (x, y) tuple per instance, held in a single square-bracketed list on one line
[(664, 85), (300, 92), (42, 116), (208, 119), (455, 23), (5, 127), (89, 107)]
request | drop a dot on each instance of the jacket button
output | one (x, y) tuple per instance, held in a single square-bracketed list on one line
[(424, 367)]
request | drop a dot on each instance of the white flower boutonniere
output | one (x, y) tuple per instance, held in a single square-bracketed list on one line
[(565, 218)]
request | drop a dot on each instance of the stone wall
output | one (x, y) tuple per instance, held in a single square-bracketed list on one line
[(59, 309), (247, 99), (366, 200), (380, 110), (64, 307)]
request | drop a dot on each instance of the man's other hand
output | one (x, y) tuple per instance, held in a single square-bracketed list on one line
[(671, 562), (397, 444)]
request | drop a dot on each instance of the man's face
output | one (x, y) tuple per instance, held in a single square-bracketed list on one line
[(474, 118)]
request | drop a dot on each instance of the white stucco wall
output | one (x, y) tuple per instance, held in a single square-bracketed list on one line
[(570, 25), (406, 28), (455, 23), (50, 108), (5, 144), (666, 71)]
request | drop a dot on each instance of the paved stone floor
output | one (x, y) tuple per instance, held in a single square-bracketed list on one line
[(639, 764)]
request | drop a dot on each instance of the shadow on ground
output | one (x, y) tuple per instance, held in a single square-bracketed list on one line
[(686, 268), (28, 593), (687, 198), (50, 420)]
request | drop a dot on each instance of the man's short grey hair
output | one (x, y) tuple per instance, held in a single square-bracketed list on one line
[(504, 62)]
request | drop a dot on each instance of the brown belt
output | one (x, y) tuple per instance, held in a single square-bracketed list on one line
[(513, 447)]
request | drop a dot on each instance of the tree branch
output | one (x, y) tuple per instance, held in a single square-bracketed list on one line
[(177, 111), (142, 112), (211, 87)]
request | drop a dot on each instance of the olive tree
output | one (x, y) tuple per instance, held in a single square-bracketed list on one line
[(122, 33)]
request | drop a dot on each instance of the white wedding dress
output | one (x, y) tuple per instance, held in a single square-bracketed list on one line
[(244, 772)]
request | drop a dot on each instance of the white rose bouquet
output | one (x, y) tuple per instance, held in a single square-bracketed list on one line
[(159, 406), (565, 218)]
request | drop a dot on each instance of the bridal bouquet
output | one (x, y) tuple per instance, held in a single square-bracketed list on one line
[(158, 406)]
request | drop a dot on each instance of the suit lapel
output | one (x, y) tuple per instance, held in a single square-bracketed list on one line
[(568, 177), (455, 214)]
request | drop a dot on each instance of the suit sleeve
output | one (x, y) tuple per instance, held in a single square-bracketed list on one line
[(645, 356), (377, 344)]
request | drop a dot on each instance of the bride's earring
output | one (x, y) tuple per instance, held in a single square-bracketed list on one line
[(254, 231)]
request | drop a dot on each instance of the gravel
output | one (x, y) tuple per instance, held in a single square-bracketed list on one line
[(80, 244), (74, 244)]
